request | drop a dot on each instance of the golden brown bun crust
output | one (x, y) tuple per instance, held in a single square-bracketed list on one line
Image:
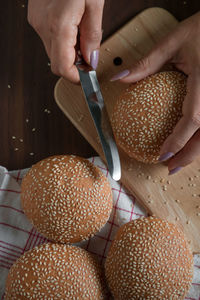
[(149, 259), (56, 271), (66, 198), (146, 114)]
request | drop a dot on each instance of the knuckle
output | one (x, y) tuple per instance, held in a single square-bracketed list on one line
[(55, 23), (195, 118), (54, 26), (94, 35), (144, 63), (179, 143), (56, 69)]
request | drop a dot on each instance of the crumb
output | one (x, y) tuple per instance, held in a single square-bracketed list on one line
[(177, 200), (107, 49)]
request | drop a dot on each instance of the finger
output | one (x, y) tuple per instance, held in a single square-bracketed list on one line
[(188, 154), (189, 123), (91, 31), (150, 64), (63, 53)]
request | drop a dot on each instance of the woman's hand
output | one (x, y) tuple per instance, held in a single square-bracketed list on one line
[(57, 23), (181, 47)]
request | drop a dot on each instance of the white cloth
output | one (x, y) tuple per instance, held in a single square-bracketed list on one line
[(17, 235)]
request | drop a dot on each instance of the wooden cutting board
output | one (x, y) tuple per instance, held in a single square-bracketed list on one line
[(177, 197)]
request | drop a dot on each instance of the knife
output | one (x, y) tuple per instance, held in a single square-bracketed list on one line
[(96, 106)]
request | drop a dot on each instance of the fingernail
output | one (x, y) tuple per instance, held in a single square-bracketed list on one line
[(94, 58), (175, 170), (120, 75), (166, 156)]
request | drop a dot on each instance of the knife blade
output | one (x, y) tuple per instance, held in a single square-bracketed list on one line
[(96, 106)]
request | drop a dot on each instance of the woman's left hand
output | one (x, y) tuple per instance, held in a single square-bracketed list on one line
[(181, 47)]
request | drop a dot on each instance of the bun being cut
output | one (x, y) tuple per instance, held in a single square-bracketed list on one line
[(146, 114)]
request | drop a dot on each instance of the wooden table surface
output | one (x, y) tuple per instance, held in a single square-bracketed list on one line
[(32, 126)]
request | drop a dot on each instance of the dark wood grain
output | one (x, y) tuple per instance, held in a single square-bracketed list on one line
[(27, 84)]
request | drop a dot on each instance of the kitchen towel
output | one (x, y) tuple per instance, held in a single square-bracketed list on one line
[(17, 234)]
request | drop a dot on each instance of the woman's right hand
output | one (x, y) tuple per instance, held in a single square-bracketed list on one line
[(57, 23)]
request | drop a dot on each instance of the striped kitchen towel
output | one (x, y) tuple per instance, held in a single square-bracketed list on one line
[(17, 234)]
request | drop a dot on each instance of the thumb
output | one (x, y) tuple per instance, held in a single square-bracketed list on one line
[(91, 32), (152, 62)]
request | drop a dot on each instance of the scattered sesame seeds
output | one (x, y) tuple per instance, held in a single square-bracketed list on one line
[(164, 188)]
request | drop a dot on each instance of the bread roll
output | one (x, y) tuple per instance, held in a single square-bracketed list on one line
[(66, 198), (149, 259), (146, 114), (56, 271)]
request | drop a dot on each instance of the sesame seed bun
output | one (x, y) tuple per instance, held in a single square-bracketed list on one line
[(66, 198), (146, 114), (149, 259), (56, 271)]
